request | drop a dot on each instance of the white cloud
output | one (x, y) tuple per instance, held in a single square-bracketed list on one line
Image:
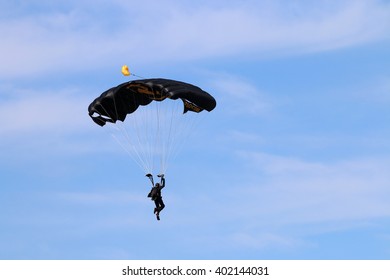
[(281, 201), (262, 27), (238, 96), (44, 124), (43, 112), (291, 190), (83, 39)]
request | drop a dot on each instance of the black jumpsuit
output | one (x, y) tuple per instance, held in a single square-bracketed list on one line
[(157, 198)]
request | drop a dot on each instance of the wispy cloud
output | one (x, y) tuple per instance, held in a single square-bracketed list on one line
[(256, 27), (46, 124), (280, 201), (27, 115), (299, 191), (238, 96), (29, 111), (77, 38)]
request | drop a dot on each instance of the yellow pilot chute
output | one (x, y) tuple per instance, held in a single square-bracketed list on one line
[(125, 70)]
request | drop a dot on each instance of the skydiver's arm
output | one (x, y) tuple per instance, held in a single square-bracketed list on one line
[(162, 182), (150, 176)]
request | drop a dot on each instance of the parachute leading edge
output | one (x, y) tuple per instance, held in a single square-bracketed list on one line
[(116, 103)]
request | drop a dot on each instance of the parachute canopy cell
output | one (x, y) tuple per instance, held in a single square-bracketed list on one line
[(117, 102)]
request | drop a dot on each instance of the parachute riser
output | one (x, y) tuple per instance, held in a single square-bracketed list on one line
[(137, 76)]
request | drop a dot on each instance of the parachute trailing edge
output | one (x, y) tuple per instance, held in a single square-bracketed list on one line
[(117, 102)]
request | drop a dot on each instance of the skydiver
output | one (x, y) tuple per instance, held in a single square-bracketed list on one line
[(155, 194)]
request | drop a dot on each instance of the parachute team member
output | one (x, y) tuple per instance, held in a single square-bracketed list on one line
[(155, 194), (123, 103)]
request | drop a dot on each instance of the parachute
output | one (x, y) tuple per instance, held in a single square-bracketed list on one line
[(150, 117)]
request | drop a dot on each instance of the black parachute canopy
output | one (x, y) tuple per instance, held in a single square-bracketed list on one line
[(117, 102)]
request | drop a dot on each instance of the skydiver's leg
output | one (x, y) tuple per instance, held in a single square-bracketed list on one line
[(161, 205), (157, 206)]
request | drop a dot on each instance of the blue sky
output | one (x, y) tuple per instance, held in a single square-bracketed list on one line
[(292, 164)]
